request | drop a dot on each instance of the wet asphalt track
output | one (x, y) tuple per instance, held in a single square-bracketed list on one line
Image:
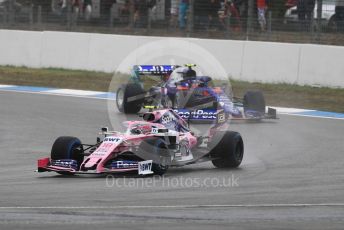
[(296, 160)]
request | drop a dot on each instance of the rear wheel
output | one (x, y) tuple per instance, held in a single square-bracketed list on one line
[(65, 148), (227, 149), (129, 98), (254, 101)]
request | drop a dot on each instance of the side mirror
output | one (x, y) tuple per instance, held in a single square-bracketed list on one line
[(105, 129)]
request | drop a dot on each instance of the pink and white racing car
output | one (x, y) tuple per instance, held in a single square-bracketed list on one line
[(150, 146)]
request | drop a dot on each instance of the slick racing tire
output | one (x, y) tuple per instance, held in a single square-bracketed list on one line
[(124, 93), (227, 149), (157, 147), (67, 148), (254, 100)]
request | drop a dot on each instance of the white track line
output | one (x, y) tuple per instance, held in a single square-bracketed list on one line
[(181, 206), (74, 92), (57, 94), (310, 116), (7, 86), (289, 110)]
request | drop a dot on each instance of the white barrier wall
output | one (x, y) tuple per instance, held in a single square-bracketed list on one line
[(270, 62), (321, 65), (20, 48), (302, 64)]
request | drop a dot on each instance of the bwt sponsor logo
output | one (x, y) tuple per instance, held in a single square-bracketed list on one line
[(112, 139), (199, 114), (146, 166)]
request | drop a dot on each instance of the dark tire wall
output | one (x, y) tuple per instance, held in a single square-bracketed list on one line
[(130, 90), (227, 148), (254, 100), (67, 148)]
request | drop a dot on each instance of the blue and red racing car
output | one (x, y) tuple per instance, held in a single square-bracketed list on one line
[(192, 97)]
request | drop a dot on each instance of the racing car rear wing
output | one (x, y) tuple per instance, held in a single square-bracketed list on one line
[(154, 69)]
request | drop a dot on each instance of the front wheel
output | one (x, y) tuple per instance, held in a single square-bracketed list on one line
[(254, 101), (129, 98), (68, 148), (227, 149)]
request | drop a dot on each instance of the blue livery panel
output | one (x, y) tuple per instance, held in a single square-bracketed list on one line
[(200, 114), (65, 163), (125, 164)]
